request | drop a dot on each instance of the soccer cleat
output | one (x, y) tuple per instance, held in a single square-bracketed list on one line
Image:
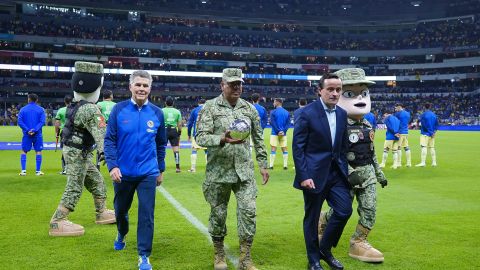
[(434, 164), (65, 228), (270, 168), (192, 170), (382, 165), (420, 165), (178, 170), (38, 173), (23, 173), (408, 165), (63, 172), (144, 263), (285, 168), (119, 243)]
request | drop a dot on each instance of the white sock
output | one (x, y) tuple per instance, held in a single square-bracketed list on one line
[(399, 157), (408, 155), (272, 158), (384, 157), (193, 158), (423, 155), (285, 159), (395, 157), (434, 155)]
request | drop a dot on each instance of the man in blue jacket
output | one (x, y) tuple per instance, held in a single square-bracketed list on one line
[(31, 119), (404, 117), (192, 131), (428, 129), (279, 120), (135, 155), (391, 139)]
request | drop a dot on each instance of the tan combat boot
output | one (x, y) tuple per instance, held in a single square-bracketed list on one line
[(322, 224), (104, 215), (360, 249), (219, 262), (245, 261), (60, 226)]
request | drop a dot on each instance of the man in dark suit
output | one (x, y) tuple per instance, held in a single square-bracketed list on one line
[(319, 150)]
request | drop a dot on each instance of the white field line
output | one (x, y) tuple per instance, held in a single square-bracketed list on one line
[(194, 221)]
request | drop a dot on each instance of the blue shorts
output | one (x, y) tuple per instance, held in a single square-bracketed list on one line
[(28, 141)]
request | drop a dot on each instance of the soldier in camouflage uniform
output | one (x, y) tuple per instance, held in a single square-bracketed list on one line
[(84, 127), (363, 168), (230, 166)]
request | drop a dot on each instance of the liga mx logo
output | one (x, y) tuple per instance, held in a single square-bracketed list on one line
[(150, 123)]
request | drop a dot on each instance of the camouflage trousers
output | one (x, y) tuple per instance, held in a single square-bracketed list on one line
[(367, 205), (82, 172), (218, 196)]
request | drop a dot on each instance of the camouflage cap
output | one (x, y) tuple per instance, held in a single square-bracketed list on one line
[(351, 76), (88, 67), (232, 75)]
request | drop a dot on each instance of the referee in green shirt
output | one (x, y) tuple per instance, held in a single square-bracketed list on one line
[(60, 119), (173, 124), (107, 104)]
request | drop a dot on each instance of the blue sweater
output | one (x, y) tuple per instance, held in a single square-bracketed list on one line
[(262, 113), (429, 123), (31, 117), (404, 118), (370, 117), (135, 140), (279, 120), (393, 126), (192, 121)]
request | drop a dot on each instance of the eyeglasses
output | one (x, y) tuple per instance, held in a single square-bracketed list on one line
[(234, 84)]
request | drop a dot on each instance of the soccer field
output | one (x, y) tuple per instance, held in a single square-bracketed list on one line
[(427, 218)]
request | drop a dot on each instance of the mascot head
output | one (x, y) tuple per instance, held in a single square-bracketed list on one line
[(87, 81), (355, 98)]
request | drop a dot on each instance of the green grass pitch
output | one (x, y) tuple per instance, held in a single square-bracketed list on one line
[(428, 218)]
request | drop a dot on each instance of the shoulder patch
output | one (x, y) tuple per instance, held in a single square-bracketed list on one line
[(101, 121)]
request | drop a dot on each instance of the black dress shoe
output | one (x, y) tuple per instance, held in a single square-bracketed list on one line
[(315, 266), (331, 261)]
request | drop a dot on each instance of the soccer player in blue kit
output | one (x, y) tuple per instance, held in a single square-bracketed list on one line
[(404, 117), (280, 121), (31, 119), (428, 129)]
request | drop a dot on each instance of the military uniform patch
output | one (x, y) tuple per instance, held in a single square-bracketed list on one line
[(353, 137), (351, 155), (372, 135), (101, 121)]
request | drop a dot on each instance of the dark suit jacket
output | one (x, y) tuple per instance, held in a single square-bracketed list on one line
[(312, 145)]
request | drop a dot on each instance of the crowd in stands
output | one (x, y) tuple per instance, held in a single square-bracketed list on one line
[(451, 109), (425, 35)]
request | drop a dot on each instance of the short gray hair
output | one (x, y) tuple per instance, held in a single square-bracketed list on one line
[(141, 74)]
